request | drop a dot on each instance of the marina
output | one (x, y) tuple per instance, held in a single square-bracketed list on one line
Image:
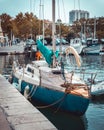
[(52, 66)]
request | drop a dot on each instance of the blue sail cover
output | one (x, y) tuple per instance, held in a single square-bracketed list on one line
[(48, 54)]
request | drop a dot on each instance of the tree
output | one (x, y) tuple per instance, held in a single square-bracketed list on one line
[(6, 24)]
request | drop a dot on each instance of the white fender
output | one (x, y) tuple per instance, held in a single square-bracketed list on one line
[(26, 92), (74, 52), (14, 66), (19, 85)]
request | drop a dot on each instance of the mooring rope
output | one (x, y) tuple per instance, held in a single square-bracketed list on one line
[(52, 104), (60, 103), (35, 88)]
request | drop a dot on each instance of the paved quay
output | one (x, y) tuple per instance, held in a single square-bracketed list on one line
[(17, 113)]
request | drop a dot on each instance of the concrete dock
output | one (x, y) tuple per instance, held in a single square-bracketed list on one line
[(13, 49), (17, 113)]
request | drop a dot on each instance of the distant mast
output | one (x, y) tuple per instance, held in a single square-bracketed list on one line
[(1, 32), (74, 4), (95, 28), (78, 4), (53, 31)]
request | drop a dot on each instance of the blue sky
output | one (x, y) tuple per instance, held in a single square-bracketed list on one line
[(13, 7)]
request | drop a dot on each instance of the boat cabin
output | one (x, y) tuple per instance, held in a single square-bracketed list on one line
[(102, 46), (91, 41)]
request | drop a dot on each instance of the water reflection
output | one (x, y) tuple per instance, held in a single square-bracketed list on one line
[(95, 116), (62, 120)]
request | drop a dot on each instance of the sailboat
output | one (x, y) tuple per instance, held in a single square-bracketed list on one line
[(78, 44), (93, 45), (102, 46), (49, 82)]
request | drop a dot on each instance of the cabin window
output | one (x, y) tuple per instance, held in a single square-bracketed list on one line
[(30, 70)]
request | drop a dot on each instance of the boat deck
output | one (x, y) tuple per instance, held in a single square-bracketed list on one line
[(55, 82), (17, 113)]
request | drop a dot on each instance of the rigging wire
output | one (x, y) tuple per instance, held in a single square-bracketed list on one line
[(30, 6), (64, 10), (74, 4), (39, 16), (79, 4), (58, 10), (34, 6), (43, 20)]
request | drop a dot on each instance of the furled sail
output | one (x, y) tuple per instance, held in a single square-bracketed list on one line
[(48, 54)]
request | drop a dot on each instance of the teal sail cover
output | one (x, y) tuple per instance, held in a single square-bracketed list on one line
[(47, 53)]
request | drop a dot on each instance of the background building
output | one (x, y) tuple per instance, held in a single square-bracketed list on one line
[(77, 14)]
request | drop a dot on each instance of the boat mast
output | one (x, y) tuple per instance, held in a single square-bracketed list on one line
[(79, 4), (53, 31), (1, 32), (95, 28), (41, 10), (74, 4), (42, 5)]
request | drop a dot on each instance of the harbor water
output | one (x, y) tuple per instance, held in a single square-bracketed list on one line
[(93, 119)]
